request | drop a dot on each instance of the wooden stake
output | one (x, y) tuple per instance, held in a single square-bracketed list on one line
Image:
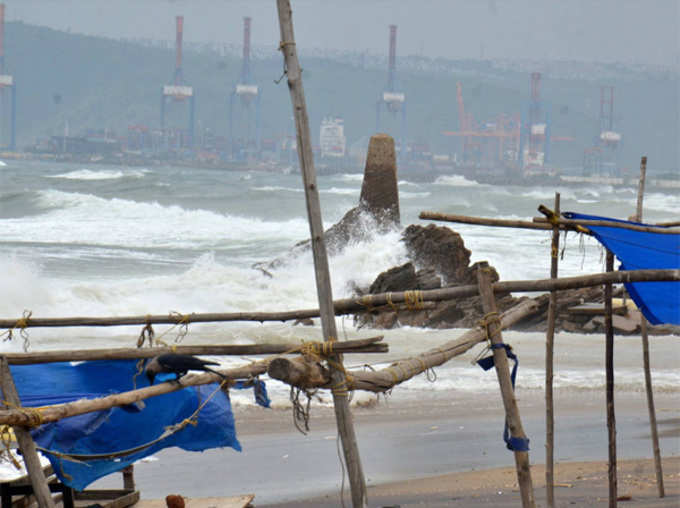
[(645, 353), (609, 366), (28, 450), (323, 282), (549, 354), (512, 417)]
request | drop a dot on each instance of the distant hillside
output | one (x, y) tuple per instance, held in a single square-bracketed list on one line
[(91, 82)]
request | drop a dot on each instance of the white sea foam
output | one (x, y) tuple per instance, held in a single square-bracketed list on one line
[(413, 195), (277, 188), (75, 218), (103, 174), (457, 181), (342, 191), (352, 177)]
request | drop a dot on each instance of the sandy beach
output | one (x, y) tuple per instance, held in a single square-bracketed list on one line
[(429, 453)]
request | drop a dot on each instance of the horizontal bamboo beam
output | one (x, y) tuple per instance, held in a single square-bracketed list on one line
[(363, 303), (483, 221), (47, 414), (309, 374), (306, 374), (672, 223), (572, 223), (369, 345)]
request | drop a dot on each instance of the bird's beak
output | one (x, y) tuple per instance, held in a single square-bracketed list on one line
[(150, 378)]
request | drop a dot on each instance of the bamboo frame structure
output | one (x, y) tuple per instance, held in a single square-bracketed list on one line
[(343, 415), (645, 353), (369, 345), (609, 372), (549, 357), (27, 446), (512, 417), (354, 305)]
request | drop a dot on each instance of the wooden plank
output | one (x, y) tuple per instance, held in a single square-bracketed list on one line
[(203, 502), (512, 416), (26, 444), (343, 415)]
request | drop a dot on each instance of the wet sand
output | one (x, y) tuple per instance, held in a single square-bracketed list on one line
[(428, 453)]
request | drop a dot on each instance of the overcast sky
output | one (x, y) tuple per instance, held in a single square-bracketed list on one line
[(642, 31)]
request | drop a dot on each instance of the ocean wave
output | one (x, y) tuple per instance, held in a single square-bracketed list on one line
[(102, 174), (457, 181), (276, 188), (414, 195), (342, 191), (352, 177), (88, 219)]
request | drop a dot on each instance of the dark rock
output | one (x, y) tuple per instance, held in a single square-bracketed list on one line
[(440, 249)]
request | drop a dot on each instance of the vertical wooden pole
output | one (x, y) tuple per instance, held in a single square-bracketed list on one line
[(645, 353), (609, 366), (129, 477), (41, 490), (549, 354), (323, 283), (512, 417)]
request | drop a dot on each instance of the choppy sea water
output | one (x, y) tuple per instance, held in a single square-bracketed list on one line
[(102, 241)]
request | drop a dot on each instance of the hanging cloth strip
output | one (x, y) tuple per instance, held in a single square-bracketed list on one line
[(517, 444)]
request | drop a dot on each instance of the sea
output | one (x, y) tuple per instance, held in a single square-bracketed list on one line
[(94, 240)]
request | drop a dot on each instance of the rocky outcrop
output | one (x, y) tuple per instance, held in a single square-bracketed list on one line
[(437, 258)]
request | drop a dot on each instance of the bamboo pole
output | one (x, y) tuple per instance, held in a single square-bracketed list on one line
[(360, 304), (512, 416), (645, 353), (483, 221), (549, 356), (370, 345), (609, 366), (574, 223), (41, 490), (323, 282)]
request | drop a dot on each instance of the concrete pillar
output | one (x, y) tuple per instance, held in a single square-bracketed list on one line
[(379, 192)]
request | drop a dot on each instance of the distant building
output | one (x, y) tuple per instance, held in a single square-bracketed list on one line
[(332, 138), (84, 145)]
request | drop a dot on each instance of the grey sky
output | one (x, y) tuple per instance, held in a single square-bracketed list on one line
[(642, 31)]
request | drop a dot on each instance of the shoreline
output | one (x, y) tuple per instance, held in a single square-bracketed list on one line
[(411, 447), (576, 484)]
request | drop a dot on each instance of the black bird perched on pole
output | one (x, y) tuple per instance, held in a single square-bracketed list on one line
[(171, 363)]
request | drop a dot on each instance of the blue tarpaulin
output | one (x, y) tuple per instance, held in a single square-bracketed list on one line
[(639, 250), (120, 428)]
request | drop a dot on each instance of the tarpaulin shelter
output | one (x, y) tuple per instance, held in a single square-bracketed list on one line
[(119, 429), (637, 250)]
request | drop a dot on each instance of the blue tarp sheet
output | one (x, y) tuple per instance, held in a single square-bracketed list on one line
[(638, 250), (121, 428)]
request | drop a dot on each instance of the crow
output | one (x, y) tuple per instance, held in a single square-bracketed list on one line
[(172, 363)]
